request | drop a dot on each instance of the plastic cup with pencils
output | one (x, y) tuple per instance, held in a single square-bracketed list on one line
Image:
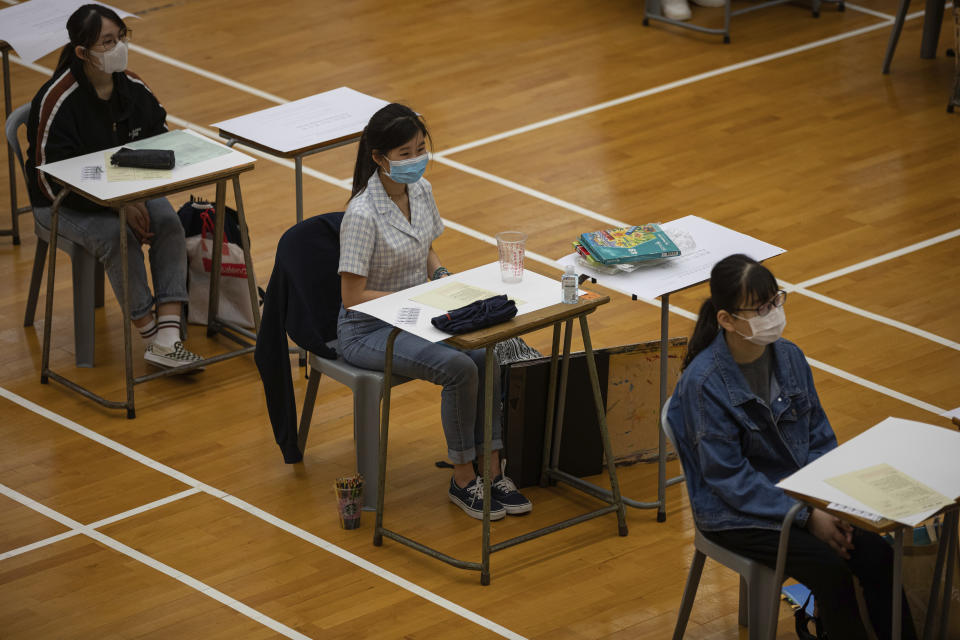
[(349, 492)]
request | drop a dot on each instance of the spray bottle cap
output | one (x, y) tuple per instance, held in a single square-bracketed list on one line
[(569, 270)]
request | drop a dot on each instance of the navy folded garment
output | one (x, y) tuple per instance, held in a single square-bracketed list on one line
[(476, 315)]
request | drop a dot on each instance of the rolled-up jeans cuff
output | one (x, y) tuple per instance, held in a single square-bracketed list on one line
[(172, 298), (469, 455)]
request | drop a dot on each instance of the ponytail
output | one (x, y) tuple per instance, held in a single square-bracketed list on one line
[(364, 168), (703, 333)]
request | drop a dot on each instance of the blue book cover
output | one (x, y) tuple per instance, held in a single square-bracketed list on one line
[(796, 594), (629, 244)]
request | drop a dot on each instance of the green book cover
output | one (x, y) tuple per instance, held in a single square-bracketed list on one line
[(629, 244)]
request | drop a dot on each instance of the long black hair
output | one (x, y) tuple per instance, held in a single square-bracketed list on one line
[(735, 281), (83, 27), (392, 126)]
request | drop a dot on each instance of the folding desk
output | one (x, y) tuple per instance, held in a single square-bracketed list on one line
[(713, 243), (536, 310), (114, 195), (926, 453), (304, 127)]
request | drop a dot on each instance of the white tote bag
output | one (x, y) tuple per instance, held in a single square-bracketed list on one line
[(234, 305)]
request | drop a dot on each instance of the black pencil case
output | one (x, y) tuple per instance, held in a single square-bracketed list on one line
[(144, 158)]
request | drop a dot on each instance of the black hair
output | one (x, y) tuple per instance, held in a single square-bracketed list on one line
[(83, 27), (735, 281), (392, 126)]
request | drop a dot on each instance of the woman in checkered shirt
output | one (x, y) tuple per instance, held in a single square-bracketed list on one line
[(386, 245)]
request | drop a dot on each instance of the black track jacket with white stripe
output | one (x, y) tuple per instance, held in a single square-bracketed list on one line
[(68, 119)]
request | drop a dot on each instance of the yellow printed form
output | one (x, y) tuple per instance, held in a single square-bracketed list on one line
[(889, 492), (453, 296)]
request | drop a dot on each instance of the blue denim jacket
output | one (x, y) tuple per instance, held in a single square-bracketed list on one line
[(734, 448)]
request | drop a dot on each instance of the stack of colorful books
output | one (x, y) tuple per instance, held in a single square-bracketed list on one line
[(625, 245)]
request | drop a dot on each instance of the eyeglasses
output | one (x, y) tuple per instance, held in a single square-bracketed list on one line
[(767, 307), (109, 42)]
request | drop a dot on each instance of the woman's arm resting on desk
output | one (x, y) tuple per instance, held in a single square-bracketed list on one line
[(434, 265), (353, 290)]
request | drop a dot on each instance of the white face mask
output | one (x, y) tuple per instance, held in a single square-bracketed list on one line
[(112, 61), (766, 329)]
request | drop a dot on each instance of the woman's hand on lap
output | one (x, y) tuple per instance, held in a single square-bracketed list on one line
[(832, 530)]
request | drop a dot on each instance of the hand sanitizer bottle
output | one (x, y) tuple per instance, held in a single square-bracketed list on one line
[(568, 285)]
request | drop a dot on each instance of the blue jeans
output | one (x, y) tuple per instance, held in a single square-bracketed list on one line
[(363, 343), (99, 233)]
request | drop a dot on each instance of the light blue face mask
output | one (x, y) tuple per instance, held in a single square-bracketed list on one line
[(408, 171)]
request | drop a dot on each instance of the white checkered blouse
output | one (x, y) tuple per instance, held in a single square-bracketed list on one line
[(376, 240)]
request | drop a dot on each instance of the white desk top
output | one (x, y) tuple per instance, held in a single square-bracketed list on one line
[(38, 27), (925, 452), (69, 172), (298, 126), (714, 242), (532, 293)]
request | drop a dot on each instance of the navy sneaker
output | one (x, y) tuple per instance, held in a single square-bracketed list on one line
[(505, 492), (470, 499)]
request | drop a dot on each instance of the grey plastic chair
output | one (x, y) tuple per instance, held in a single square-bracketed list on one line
[(367, 387), (87, 270), (759, 585)]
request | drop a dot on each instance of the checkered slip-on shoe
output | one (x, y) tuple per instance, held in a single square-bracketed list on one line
[(171, 357)]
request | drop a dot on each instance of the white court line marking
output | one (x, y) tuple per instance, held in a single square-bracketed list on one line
[(510, 184), (876, 317), (259, 513), (890, 255), (666, 87), (210, 75), (870, 12), (100, 523), (166, 569), (39, 544), (887, 391)]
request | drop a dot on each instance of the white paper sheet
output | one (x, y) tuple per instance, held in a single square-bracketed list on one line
[(38, 27), (310, 121), (535, 291), (923, 451), (714, 242), (72, 169)]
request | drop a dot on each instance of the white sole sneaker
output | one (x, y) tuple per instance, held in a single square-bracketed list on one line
[(676, 9), (171, 358)]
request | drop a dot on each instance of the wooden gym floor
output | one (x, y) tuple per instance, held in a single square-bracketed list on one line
[(550, 117)]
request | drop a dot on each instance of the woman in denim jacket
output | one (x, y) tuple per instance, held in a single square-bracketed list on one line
[(745, 415)]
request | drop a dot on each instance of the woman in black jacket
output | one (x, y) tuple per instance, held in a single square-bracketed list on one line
[(91, 103)]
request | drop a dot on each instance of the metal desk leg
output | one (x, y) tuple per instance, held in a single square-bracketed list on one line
[(298, 176), (384, 425), (557, 424), (932, 21), (661, 438), (489, 365), (948, 581), (895, 604), (551, 403), (51, 276), (604, 434), (217, 258), (247, 258), (11, 159), (895, 34), (125, 308)]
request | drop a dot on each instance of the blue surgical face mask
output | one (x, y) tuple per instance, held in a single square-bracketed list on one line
[(408, 171)]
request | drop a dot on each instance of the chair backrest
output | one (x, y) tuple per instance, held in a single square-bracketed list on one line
[(665, 424), (15, 120), (308, 254)]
